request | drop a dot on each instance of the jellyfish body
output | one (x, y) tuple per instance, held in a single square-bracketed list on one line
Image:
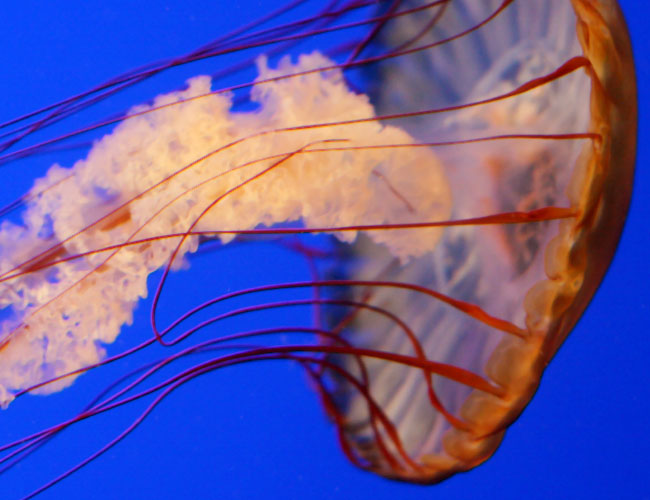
[(538, 276), (475, 195)]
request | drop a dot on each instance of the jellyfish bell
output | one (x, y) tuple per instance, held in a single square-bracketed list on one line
[(540, 276), (474, 196)]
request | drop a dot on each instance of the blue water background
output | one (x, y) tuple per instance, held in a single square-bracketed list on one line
[(258, 431)]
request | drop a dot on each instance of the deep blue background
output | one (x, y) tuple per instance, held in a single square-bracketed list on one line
[(258, 432)]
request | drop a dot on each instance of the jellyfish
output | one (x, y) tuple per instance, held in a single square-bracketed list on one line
[(455, 176)]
